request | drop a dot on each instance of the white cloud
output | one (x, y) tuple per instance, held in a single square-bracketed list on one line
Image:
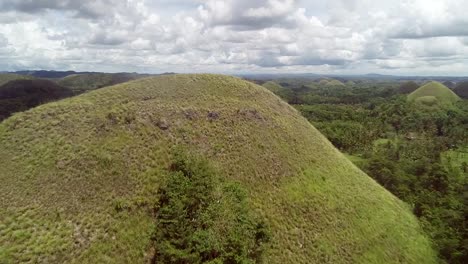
[(349, 36)]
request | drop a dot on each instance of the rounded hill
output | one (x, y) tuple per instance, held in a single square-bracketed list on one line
[(331, 82), (432, 90), (77, 176)]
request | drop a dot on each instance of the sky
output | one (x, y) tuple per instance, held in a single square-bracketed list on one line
[(400, 37)]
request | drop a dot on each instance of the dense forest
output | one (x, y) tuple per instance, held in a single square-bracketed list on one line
[(417, 151)]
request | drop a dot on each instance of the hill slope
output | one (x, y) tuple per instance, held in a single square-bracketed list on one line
[(408, 87), (20, 95), (7, 77), (430, 90), (67, 164), (461, 90), (91, 81)]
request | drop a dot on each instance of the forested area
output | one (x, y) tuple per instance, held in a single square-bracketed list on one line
[(416, 151)]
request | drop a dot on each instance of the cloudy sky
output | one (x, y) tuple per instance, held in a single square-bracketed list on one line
[(236, 36)]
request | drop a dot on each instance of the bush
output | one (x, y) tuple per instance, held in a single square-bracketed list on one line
[(200, 218)]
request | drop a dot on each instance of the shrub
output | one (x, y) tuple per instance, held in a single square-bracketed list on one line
[(200, 218)]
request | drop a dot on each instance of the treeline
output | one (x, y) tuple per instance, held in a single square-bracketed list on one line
[(415, 152)]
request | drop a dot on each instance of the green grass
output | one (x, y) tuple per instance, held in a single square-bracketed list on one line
[(70, 164), (7, 77), (432, 92)]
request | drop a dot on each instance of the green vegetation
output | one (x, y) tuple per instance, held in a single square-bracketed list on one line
[(7, 77), (80, 178), (21, 95), (201, 219), (417, 153), (432, 92)]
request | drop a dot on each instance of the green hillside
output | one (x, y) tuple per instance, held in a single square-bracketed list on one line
[(80, 176), (427, 92), (273, 86), (6, 77), (91, 81)]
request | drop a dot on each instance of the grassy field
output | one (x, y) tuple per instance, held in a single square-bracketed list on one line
[(431, 92), (68, 166)]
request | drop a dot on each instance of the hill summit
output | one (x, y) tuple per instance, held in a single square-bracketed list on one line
[(433, 92), (80, 177)]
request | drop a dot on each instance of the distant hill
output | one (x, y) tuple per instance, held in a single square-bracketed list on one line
[(273, 86), (449, 84), (331, 82), (6, 77), (278, 89), (91, 81), (461, 90), (408, 87), (82, 177), (431, 90), (21, 95), (49, 74)]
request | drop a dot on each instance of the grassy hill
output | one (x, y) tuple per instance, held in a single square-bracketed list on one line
[(331, 82), (431, 90), (77, 176), (91, 81), (21, 95), (6, 77)]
